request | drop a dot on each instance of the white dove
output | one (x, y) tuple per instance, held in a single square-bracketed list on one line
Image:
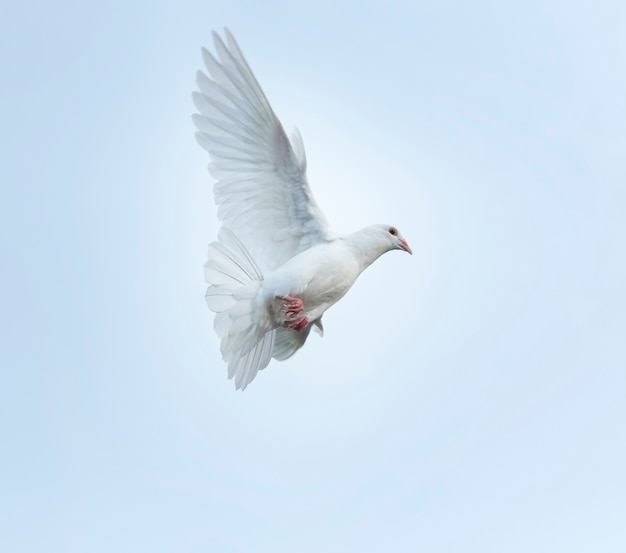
[(276, 266)]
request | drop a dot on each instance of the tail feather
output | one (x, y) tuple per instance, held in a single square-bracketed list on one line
[(219, 299), (249, 364), (287, 341), (247, 339)]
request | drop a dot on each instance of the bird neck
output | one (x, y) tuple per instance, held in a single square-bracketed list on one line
[(367, 246)]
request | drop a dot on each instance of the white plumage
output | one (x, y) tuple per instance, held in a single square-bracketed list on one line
[(276, 266)]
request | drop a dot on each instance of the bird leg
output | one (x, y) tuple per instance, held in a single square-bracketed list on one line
[(292, 306)]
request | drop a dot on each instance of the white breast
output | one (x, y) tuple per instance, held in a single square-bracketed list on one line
[(319, 276)]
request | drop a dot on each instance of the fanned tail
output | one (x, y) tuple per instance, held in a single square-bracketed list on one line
[(247, 339)]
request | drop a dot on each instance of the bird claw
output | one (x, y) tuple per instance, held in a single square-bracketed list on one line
[(292, 306), (298, 324)]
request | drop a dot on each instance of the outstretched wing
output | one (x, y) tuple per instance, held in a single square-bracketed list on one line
[(261, 190)]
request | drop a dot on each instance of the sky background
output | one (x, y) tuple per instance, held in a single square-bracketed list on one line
[(470, 398)]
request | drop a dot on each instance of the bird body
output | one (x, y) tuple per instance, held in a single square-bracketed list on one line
[(277, 266), (319, 276)]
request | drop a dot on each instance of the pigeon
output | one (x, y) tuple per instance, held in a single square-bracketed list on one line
[(277, 265)]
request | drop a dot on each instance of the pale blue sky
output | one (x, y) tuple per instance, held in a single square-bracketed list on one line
[(470, 398)]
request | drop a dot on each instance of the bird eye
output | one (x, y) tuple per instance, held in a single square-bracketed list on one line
[(393, 231)]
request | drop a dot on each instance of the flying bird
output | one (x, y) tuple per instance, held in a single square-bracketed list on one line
[(277, 265)]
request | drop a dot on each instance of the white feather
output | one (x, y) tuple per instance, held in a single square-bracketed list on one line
[(246, 334), (287, 342), (262, 188)]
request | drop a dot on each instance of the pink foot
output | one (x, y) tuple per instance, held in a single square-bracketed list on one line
[(293, 306), (297, 324)]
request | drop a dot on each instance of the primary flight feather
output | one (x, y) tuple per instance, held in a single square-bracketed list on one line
[(276, 266)]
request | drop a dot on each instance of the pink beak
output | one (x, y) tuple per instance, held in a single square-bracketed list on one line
[(405, 246)]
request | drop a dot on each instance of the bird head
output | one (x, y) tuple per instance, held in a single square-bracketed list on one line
[(373, 241), (396, 239)]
